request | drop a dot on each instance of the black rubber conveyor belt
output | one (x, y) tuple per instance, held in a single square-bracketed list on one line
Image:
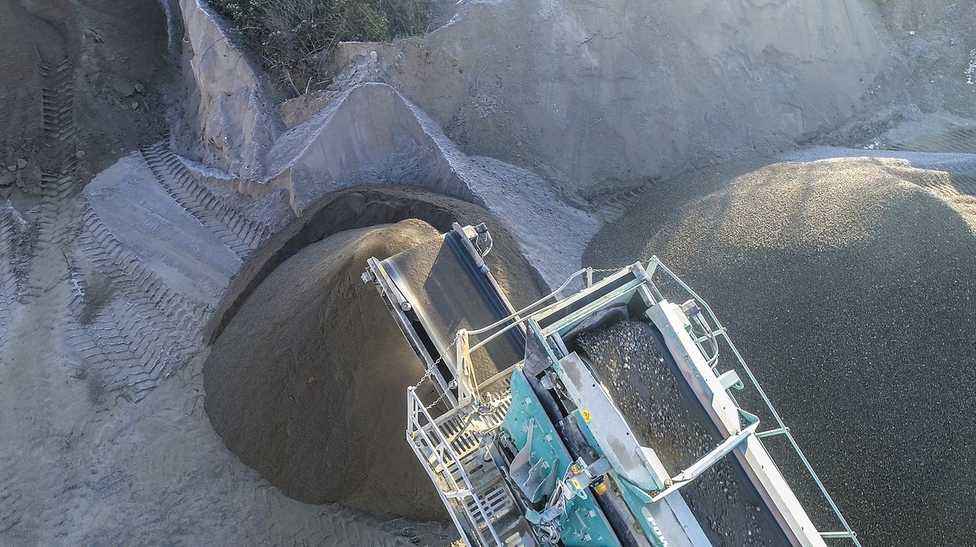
[(447, 291), (634, 364)]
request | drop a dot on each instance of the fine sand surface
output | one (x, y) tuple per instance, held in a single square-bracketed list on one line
[(848, 286), (307, 384)]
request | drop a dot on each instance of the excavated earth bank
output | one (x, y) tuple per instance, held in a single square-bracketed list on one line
[(307, 381), (602, 97)]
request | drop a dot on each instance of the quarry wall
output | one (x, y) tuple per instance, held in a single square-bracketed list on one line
[(607, 94), (230, 112)]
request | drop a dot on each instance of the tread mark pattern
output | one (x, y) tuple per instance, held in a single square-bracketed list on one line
[(56, 186), (58, 102), (12, 505), (128, 274), (613, 205), (23, 249), (8, 281), (239, 233), (145, 332)]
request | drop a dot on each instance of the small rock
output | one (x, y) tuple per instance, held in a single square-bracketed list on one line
[(11, 168), (124, 87), (80, 154), (21, 163), (140, 89), (93, 35), (134, 105)]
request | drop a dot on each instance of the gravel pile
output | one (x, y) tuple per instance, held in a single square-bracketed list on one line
[(631, 361), (851, 291)]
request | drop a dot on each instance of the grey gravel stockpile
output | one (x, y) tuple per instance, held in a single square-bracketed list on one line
[(851, 292), (663, 411)]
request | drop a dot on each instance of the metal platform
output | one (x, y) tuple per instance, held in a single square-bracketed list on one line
[(452, 451)]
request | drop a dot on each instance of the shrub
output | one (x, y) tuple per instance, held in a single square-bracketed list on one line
[(291, 36)]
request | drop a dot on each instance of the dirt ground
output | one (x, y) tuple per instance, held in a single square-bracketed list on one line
[(115, 83), (84, 83)]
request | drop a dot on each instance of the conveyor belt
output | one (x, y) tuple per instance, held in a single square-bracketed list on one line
[(448, 291), (644, 381)]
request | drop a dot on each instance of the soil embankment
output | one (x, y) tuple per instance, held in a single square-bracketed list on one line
[(602, 97)]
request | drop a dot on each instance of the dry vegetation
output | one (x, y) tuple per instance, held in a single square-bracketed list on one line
[(292, 36)]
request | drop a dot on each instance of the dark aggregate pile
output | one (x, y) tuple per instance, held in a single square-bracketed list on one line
[(630, 360), (851, 290)]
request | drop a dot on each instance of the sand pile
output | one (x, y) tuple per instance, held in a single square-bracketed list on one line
[(307, 383), (850, 290)]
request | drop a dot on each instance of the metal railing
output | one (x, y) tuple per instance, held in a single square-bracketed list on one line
[(434, 451), (715, 332)]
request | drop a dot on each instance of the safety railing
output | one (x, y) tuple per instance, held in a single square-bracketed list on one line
[(434, 451), (707, 339)]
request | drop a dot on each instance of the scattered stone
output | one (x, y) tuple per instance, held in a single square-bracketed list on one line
[(93, 35), (123, 86), (21, 163), (140, 89), (80, 154), (134, 105), (11, 168)]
